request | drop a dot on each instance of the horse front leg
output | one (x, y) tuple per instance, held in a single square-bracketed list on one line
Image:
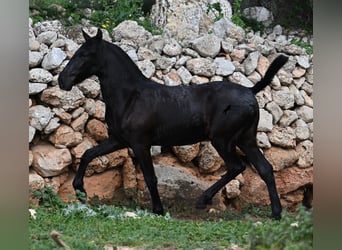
[(105, 147), (143, 156)]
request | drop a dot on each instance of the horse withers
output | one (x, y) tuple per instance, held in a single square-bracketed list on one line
[(141, 113)]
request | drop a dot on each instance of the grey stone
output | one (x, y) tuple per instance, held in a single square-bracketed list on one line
[(53, 58), (288, 118), (47, 37), (40, 75), (68, 100), (39, 116), (303, 61), (49, 161), (251, 62), (201, 66), (207, 45), (90, 88), (275, 110), (241, 79), (35, 58), (223, 66), (185, 75), (130, 30), (35, 88), (305, 113), (172, 48), (284, 98), (147, 68), (52, 125), (283, 137), (265, 121), (305, 151), (260, 14), (262, 140)]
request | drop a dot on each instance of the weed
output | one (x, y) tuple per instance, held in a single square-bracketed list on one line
[(305, 45), (105, 13), (92, 227)]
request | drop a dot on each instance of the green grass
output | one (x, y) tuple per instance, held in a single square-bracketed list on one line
[(90, 227)]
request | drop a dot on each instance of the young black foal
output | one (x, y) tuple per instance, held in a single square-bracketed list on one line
[(141, 113)]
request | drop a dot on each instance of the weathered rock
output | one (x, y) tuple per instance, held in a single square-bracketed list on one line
[(283, 137), (254, 190), (305, 151), (260, 14), (36, 88), (172, 78), (251, 62), (64, 116), (130, 30), (262, 140), (49, 161), (103, 185), (53, 58), (232, 189), (52, 125), (208, 159), (40, 75), (90, 88), (100, 110), (305, 113), (186, 153), (97, 130), (172, 48), (39, 116), (68, 100), (265, 121), (201, 66), (275, 110), (117, 158), (36, 182), (288, 118), (65, 136), (147, 68), (281, 158), (35, 58), (240, 78), (184, 75), (79, 123), (223, 66), (47, 37), (207, 45), (284, 98)]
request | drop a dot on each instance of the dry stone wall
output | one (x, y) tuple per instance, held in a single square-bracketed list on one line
[(63, 125)]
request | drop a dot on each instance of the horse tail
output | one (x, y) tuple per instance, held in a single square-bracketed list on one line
[(270, 73)]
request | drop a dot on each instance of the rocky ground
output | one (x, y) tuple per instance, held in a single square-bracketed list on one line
[(62, 125)]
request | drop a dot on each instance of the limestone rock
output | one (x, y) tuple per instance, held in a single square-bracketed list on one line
[(65, 136), (281, 158), (208, 159), (97, 130), (67, 100), (207, 45), (283, 137), (201, 66), (50, 161), (186, 153), (39, 116)]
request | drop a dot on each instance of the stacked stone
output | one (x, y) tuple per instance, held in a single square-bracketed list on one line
[(62, 125)]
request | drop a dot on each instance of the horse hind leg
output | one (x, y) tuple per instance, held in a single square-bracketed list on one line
[(234, 165), (265, 170)]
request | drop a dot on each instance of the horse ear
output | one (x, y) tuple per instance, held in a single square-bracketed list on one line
[(85, 35), (99, 34)]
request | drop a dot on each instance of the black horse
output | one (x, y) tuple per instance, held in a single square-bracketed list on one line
[(141, 113)]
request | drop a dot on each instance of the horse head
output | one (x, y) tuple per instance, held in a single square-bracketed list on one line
[(84, 63)]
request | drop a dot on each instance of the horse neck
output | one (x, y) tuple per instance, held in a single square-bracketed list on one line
[(120, 78), (117, 67)]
